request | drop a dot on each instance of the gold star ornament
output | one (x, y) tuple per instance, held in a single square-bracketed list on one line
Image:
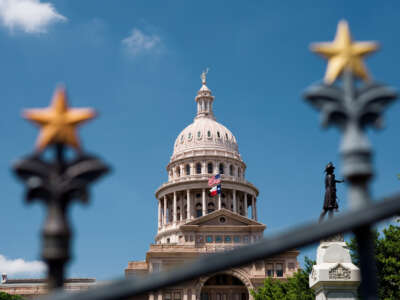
[(343, 54), (58, 122)]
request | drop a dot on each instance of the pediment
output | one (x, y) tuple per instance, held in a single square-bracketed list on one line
[(223, 217)]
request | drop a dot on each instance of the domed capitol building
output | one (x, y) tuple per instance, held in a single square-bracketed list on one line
[(192, 223)]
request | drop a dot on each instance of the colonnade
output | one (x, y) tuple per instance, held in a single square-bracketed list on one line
[(183, 206)]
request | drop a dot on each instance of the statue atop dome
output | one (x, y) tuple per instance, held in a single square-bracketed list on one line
[(204, 76)]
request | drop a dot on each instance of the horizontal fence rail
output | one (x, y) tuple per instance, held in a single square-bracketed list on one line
[(301, 236)]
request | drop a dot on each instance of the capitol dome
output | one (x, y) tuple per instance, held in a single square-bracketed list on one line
[(205, 135)]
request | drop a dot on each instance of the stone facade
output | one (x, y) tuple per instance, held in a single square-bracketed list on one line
[(30, 288), (191, 223)]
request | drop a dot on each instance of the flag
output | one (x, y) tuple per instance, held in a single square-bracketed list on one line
[(216, 179), (215, 190)]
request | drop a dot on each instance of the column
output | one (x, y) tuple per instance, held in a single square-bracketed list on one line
[(192, 165), (255, 208), (185, 294), (253, 214), (182, 206), (204, 203), (204, 171), (165, 220), (188, 211), (151, 296), (193, 294), (245, 205), (174, 208), (219, 201), (160, 295), (234, 201), (159, 213)]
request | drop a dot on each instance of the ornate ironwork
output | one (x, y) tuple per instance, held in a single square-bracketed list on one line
[(352, 109), (57, 183)]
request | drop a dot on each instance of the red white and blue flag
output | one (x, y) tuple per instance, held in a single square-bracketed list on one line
[(216, 179), (215, 190)]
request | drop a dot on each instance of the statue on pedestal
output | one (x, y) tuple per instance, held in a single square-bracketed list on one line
[(330, 201)]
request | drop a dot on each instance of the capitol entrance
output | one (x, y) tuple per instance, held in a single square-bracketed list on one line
[(224, 287)]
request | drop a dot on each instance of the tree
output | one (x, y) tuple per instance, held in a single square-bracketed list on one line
[(294, 288), (5, 296), (387, 254)]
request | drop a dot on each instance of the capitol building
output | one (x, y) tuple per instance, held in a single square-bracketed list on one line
[(191, 223)]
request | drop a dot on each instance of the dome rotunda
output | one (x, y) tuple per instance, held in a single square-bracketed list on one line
[(205, 133)]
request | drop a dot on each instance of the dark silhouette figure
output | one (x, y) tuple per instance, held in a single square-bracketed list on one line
[(330, 203)]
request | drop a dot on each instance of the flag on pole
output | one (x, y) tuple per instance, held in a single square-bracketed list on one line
[(215, 190), (216, 179)]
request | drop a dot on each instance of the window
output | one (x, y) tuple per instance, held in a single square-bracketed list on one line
[(270, 270), (218, 239), (222, 220), (231, 170), (168, 240), (177, 296), (239, 172), (221, 168), (178, 171), (167, 296), (209, 168), (210, 207), (199, 239), (228, 239), (198, 134), (189, 136), (246, 239), (291, 266), (198, 195), (199, 212), (198, 168), (279, 270), (156, 267), (223, 205), (218, 135), (209, 239), (209, 134), (187, 169), (182, 137), (236, 239), (226, 135)]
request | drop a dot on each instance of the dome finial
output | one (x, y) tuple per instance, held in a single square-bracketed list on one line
[(204, 76)]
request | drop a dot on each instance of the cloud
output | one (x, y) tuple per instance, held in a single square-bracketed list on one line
[(19, 266), (138, 42), (30, 16)]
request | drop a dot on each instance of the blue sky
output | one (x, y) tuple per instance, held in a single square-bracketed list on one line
[(138, 64)]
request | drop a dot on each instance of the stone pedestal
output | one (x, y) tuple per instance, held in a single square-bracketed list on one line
[(334, 276)]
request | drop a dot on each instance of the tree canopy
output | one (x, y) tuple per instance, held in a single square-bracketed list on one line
[(387, 254), (5, 296)]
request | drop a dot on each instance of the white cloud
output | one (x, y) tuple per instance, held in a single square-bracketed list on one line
[(138, 42), (30, 16), (19, 266)]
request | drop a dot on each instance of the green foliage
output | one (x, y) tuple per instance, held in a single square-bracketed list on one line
[(294, 288), (5, 296), (387, 253)]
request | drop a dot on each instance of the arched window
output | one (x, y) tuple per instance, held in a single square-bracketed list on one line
[(209, 134), (198, 168), (210, 207), (221, 168), (187, 169), (198, 134), (231, 170), (178, 213), (223, 205), (199, 212), (178, 172), (210, 168), (218, 134)]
